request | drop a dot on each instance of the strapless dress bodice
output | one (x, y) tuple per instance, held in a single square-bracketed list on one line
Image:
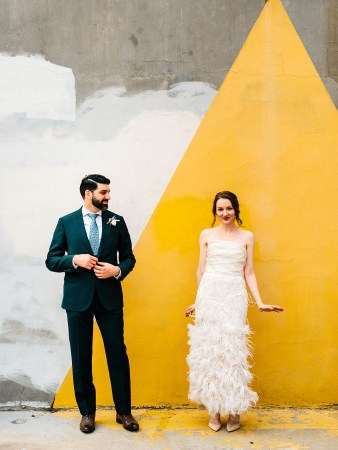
[(226, 257)]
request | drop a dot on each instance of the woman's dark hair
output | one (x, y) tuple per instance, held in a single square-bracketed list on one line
[(89, 182), (233, 199)]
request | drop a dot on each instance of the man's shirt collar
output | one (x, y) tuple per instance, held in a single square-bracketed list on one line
[(85, 212)]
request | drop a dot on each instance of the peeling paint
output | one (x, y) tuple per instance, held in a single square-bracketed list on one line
[(21, 391), (13, 331)]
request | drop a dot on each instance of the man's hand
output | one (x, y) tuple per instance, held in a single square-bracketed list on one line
[(85, 261), (105, 270)]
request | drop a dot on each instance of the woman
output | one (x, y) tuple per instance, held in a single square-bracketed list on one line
[(218, 368)]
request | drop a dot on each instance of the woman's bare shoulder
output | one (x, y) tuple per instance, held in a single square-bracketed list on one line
[(247, 235), (206, 233)]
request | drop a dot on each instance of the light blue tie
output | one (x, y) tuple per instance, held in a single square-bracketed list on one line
[(94, 234)]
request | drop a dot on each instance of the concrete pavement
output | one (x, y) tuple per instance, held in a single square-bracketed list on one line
[(165, 429)]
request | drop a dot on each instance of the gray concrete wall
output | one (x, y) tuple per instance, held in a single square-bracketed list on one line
[(151, 44), (316, 22)]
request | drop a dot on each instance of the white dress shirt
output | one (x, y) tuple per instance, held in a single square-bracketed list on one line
[(87, 221)]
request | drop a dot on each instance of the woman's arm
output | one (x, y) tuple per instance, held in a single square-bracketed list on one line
[(201, 267), (251, 280), (203, 256)]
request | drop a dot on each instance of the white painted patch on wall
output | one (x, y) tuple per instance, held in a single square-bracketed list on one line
[(38, 88), (136, 141)]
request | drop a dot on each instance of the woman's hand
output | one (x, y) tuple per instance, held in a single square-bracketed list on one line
[(270, 308), (190, 311)]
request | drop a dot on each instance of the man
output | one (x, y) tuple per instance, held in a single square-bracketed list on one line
[(92, 246)]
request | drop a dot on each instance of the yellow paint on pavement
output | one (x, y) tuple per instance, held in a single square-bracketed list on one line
[(297, 429), (191, 420)]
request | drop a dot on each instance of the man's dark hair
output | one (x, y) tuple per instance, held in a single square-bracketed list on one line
[(90, 182)]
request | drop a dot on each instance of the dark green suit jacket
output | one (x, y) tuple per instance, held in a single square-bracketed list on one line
[(70, 239)]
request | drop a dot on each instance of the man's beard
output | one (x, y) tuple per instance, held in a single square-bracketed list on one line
[(100, 205)]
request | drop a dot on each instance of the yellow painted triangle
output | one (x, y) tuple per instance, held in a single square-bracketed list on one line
[(270, 136)]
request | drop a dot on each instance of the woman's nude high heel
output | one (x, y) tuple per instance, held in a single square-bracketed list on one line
[(233, 423), (215, 426)]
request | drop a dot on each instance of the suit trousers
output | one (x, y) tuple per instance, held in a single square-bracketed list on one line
[(80, 328)]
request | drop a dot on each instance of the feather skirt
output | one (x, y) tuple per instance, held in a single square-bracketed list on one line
[(219, 374)]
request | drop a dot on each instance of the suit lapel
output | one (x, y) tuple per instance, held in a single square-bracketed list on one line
[(79, 225), (106, 229)]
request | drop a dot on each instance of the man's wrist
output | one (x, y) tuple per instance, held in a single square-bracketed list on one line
[(74, 263), (118, 275)]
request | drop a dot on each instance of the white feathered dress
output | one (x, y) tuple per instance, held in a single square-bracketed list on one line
[(219, 373)]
